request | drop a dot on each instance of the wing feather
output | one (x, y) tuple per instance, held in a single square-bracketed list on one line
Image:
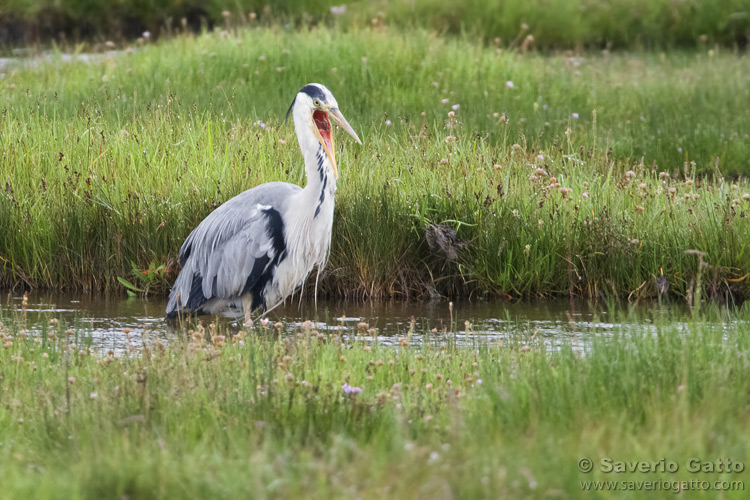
[(232, 249)]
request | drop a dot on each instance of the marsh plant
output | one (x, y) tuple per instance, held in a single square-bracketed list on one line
[(585, 175)]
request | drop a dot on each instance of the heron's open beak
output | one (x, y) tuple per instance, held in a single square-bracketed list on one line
[(339, 118), (323, 129)]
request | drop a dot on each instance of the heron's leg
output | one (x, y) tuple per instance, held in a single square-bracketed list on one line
[(247, 303)]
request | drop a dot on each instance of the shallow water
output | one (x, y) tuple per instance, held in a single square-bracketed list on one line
[(104, 321)]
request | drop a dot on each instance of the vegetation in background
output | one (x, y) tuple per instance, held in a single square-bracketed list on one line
[(282, 412), (555, 24), (584, 175)]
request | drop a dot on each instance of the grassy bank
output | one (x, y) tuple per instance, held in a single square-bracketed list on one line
[(281, 416), (586, 175), (556, 24)]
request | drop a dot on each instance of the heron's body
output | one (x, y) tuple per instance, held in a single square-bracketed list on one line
[(259, 247)]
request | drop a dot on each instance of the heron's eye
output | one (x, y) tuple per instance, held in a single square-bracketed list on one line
[(316, 103)]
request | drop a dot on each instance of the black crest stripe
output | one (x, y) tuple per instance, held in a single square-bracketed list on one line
[(290, 109), (314, 91)]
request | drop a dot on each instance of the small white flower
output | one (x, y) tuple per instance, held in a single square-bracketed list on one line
[(338, 10), (509, 84)]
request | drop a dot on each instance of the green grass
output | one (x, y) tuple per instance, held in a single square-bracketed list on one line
[(263, 414), (116, 161), (553, 24)]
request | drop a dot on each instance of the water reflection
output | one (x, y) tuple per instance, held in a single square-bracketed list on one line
[(114, 322)]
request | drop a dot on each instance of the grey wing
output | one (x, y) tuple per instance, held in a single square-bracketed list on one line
[(233, 251)]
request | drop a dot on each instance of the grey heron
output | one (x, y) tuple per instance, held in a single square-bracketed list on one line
[(259, 247)]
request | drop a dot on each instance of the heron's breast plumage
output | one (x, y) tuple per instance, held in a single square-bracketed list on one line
[(308, 242)]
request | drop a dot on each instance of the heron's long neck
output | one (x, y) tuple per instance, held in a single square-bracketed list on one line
[(321, 183), (309, 231)]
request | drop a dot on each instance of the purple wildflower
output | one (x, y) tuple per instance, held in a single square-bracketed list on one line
[(348, 389)]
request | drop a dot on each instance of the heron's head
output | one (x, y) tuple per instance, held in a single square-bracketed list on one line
[(317, 105)]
